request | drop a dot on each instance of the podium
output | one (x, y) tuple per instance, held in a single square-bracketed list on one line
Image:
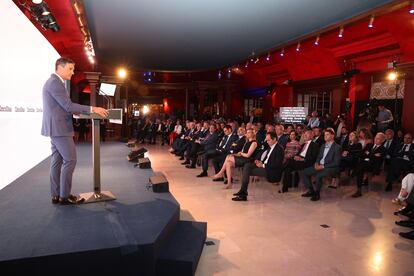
[(98, 195)]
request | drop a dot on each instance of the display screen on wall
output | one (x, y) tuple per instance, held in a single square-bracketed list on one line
[(293, 114)]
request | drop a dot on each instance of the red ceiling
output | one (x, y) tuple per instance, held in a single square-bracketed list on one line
[(370, 49)]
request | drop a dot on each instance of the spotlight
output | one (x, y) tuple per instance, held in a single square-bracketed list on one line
[(298, 47), (412, 8), (345, 81), (341, 32), (257, 60), (317, 40), (282, 52), (145, 109), (392, 76), (268, 57), (37, 1), (247, 64), (229, 70), (219, 75), (122, 73), (371, 22)]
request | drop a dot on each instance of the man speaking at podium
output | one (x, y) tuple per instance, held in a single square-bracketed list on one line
[(57, 124)]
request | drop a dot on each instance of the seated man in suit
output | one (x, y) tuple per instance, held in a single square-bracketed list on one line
[(269, 165), (317, 136), (304, 159), (207, 144), (282, 138), (402, 161), (223, 148), (327, 164), (371, 161), (390, 146)]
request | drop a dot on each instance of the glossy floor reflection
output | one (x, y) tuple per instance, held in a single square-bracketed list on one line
[(281, 234)]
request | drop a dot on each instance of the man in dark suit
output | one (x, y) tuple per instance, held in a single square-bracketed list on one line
[(57, 124), (344, 138), (209, 144), (304, 159), (402, 161), (327, 164), (240, 141), (222, 149), (317, 136), (371, 161), (390, 145), (282, 138), (269, 165)]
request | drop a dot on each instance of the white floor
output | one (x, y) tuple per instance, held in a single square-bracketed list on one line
[(281, 234)]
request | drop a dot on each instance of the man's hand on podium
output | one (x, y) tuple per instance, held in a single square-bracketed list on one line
[(100, 111)]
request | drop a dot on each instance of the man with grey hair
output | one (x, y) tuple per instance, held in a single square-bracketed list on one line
[(371, 161)]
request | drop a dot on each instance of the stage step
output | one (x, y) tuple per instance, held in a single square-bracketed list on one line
[(181, 254)]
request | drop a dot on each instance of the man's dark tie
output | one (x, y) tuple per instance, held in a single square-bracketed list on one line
[(404, 148)]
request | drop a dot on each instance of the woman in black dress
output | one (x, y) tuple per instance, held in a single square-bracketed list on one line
[(238, 159)]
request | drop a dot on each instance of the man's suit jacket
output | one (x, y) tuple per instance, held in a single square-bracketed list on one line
[(320, 141), (225, 149), (274, 164), (282, 140), (398, 153), (368, 155), (58, 109), (391, 148), (333, 157), (311, 154), (210, 142), (342, 141), (239, 144)]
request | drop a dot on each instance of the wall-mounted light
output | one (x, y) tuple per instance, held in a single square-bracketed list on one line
[(298, 47), (122, 73), (282, 52), (317, 40), (341, 32), (392, 76), (371, 22)]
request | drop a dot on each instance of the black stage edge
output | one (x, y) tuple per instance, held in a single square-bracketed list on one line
[(138, 234)]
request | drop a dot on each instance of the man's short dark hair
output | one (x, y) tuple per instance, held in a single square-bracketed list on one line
[(272, 135), (63, 61), (330, 130)]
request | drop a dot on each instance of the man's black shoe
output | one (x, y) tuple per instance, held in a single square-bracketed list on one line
[(55, 199), (202, 174), (218, 179), (405, 223), (181, 158), (240, 198), (240, 193), (190, 166), (357, 194), (308, 194), (70, 201), (315, 197), (404, 211), (186, 162), (408, 235)]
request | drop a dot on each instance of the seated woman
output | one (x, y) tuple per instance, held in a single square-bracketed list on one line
[(350, 156), (292, 147), (351, 152), (407, 185), (238, 159), (365, 137)]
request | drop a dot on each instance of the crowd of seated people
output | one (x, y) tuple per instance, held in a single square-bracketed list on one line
[(315, 150)]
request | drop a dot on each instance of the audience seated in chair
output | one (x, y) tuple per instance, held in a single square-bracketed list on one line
[(327, 164), (269, 166)]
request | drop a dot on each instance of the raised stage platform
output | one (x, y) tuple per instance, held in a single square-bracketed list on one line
[(138, 234)]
